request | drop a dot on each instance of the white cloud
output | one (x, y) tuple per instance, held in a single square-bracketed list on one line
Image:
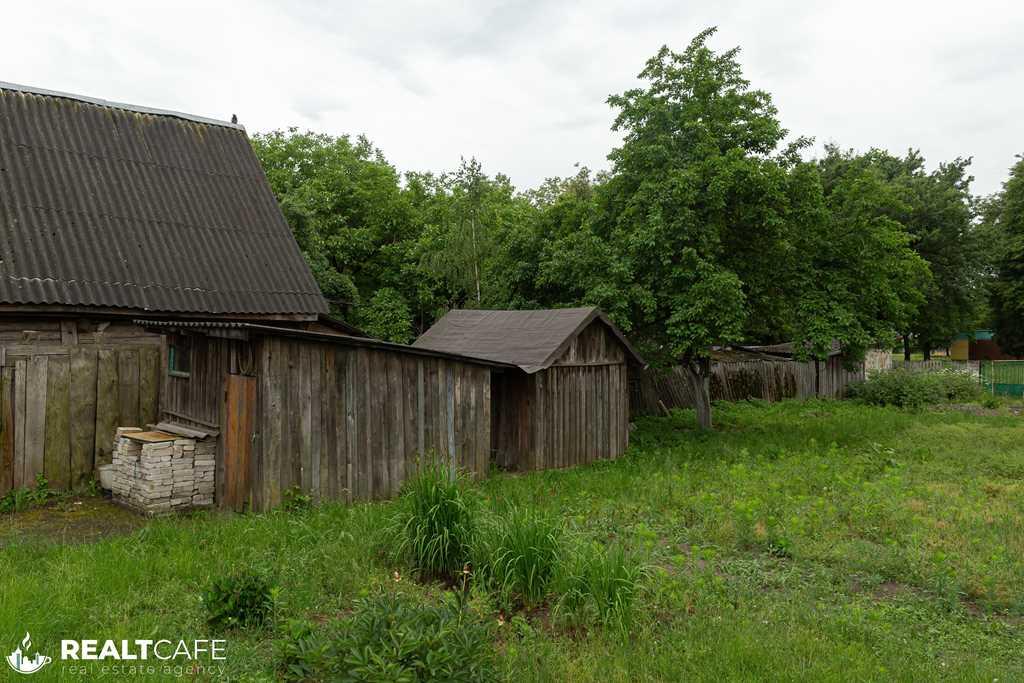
[(522, 85)]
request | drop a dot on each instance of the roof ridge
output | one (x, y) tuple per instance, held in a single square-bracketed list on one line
[(139, 109)]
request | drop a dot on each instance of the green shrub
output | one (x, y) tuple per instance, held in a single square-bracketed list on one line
[(517, 555), (600, 584), (392, 638), (959, 386), (917, 388), (432, 529), (243, 599)]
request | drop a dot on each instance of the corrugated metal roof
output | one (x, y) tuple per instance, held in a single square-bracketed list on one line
[(533, 340), (330, 338), (105, 205)]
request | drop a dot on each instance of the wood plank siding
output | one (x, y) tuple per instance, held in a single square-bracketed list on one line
[(573, 413), (349, 423), (65, 386)]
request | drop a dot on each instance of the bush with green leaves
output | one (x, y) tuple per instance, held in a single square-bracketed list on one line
[(432, 530), (600, 584), (517, 555), (243, 598), (393, 637), (908, 388)]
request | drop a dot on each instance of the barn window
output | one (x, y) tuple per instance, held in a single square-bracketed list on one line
[(179, 357)]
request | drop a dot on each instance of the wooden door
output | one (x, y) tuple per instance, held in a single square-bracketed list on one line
[(238, 435)]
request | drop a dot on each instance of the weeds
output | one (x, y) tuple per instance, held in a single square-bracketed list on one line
[(294, 500), (433, 527), (517, 554), (392, 637), (600, 586), (915, 389), (24, 498), (243, 599)]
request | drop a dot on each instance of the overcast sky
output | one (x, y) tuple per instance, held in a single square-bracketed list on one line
[(522, 85)]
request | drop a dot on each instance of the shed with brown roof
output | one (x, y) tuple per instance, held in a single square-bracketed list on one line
[(569, 402)]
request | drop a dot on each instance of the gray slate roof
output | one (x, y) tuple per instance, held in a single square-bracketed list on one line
[(533, 340), (125, 207)]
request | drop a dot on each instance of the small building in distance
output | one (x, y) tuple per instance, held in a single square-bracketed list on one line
[(977, 345), (568, 402)]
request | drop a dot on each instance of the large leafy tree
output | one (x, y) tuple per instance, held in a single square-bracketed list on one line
[(710, 230), (1007, 294), (937, 212), (694, 201)]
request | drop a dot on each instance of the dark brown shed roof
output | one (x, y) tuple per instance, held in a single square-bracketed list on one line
[(124, 207), (533, 340)]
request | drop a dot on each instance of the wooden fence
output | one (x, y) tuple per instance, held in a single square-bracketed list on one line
[(970, 366), (60, 407), (654, 391)]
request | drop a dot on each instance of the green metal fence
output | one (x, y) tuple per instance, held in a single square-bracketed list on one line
[(1003, 377)]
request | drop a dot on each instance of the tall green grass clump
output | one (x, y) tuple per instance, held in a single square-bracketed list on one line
[(915, 389), (432, 530), (517, 556), (600, 584)]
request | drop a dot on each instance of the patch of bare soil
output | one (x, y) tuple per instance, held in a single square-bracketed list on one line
[(76, 519)]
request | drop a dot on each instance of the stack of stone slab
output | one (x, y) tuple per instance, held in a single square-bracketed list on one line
[(156, 472)]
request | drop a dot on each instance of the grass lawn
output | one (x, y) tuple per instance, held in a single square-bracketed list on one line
[(799, 541)]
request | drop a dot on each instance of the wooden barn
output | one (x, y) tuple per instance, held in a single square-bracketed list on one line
[(337, 417), (110, 212), (568, 402)]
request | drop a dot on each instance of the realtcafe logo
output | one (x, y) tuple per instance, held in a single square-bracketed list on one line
[(22, 663), (121, 657)]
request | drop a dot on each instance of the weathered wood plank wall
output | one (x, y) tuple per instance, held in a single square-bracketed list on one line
[(62, 397), (573, 413), (771, 380), (348, 423)]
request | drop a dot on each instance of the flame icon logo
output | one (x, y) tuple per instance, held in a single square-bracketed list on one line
[(19, 660)]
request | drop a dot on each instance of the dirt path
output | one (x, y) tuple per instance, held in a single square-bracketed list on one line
[(77, 519)]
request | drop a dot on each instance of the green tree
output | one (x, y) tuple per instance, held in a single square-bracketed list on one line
[(937, 211), (465, 216), (386, 316), (1007, 292), (347, 210), (710, 230), (860, 281)]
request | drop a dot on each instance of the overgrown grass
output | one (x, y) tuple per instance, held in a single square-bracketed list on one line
[(802, 540), (434, 524), (517, 554)]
